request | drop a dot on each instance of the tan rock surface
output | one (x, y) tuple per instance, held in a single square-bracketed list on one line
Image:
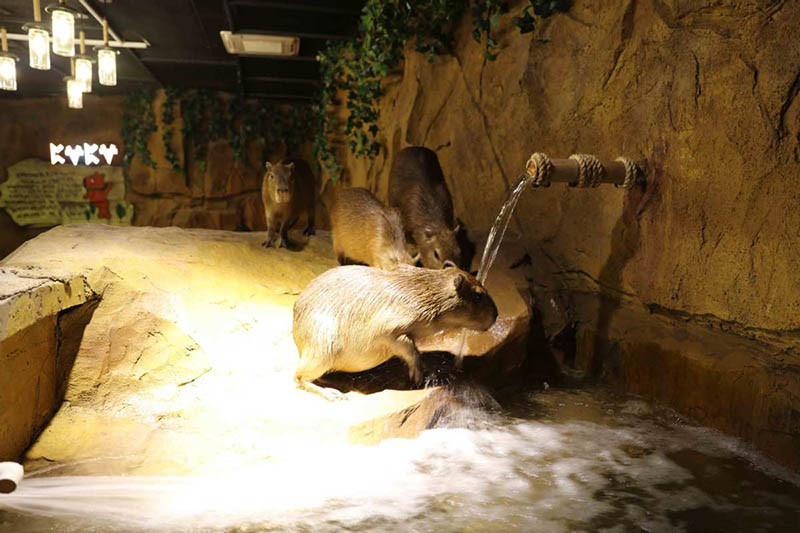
[(705, 91), (187, 362)]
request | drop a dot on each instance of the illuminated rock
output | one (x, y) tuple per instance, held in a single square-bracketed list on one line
[(187, 360)]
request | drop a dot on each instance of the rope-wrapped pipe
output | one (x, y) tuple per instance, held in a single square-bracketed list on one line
[(582, 170)]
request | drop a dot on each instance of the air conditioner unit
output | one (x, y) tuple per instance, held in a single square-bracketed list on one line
[(255, 44)]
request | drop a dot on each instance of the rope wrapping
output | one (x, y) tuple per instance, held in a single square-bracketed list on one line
[(590, 170), (539, 168), (631, 172)]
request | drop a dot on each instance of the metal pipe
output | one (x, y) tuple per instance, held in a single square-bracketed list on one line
[(88, 7), (91, 42)]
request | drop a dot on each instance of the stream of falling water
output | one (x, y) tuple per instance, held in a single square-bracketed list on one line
[(555, 460), (494, 240)]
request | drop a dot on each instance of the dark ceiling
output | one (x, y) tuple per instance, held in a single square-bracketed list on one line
[(186, 49)]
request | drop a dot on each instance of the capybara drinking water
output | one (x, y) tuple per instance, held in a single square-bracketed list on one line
[(353, 318), (288, 194), (365, 231), (418, 190)]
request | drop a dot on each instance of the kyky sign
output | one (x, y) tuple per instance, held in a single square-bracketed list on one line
[(87, 151)]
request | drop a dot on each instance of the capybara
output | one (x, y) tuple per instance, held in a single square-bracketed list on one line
[(353, 318), (418, 190), (365, 231), (288, 194)]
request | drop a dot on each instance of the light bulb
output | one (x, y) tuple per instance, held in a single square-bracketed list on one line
[(75, 93), (107, 66), (63, 33), (39, 48), (8, 73), (83, 73)]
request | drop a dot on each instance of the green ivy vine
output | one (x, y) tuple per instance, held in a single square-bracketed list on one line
[(138, 122), (356, 67), (209, 116)]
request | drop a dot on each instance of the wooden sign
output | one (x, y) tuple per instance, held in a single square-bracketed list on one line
[(39, 194)]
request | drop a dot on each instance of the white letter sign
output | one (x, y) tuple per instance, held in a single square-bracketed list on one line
[(86, 151)]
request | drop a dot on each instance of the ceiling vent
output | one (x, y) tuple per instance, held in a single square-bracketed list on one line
[(254, 44)]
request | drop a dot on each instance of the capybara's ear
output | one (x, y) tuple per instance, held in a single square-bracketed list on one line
[(290, 167), (459, 282)]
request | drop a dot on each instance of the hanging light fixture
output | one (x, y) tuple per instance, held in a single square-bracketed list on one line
[(38, 40), (106, 60), (8, 65), (63, 28), (74, 90), (83, 66)]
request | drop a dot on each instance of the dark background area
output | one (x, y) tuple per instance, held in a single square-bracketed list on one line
[(186, 49)]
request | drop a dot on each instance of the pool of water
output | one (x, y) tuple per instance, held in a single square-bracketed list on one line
[(554, 460)]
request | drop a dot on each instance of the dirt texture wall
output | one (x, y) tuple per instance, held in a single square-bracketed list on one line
[(686, 291), (705, 91)]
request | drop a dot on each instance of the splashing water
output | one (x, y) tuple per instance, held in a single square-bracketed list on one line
[(559, 461), (493, 242)]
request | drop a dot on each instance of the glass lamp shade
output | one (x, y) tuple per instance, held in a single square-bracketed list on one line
[(39, 48), (8, 73), (107, 66), (75, 93), (83, 73), (63, 33)]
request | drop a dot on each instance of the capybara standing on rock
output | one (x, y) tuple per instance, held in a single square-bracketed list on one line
[(417, 188), (365, 231), (353, 318), (288, 194)]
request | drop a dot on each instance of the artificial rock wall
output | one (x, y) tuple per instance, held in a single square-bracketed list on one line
[(706, 92), (224, 195)]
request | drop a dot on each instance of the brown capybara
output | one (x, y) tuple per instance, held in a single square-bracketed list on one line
[(365, 231), (288, 195), (353, 318), (418, 190)]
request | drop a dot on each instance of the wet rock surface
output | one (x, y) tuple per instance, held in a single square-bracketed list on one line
[(185, 358)]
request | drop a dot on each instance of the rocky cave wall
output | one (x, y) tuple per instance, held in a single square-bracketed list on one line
[(706, 92), (225, 195)]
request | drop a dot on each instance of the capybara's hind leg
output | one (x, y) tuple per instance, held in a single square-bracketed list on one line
[(310, 225)]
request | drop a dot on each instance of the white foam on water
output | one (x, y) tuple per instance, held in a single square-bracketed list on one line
[(510, 474)]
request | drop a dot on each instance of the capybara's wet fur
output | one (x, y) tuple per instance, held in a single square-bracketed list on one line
[(418, 190), (288, 195), (353, 318), (365, 231)]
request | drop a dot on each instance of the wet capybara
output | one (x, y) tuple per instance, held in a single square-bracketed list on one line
[(365, 231), (418, 190), (353, 318), (288, 195)]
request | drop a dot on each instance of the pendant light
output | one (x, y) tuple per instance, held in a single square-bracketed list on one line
[(63, 29), (8, 65), (106, 60), (74, 90), (83, 66), (38, 40)]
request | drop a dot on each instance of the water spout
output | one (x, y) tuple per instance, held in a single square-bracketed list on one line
[(10, 475)]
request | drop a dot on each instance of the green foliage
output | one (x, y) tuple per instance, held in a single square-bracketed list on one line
[(358, 66), (540, 8), (209, 116), (167, 118), (138, 122), (485, 15)]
